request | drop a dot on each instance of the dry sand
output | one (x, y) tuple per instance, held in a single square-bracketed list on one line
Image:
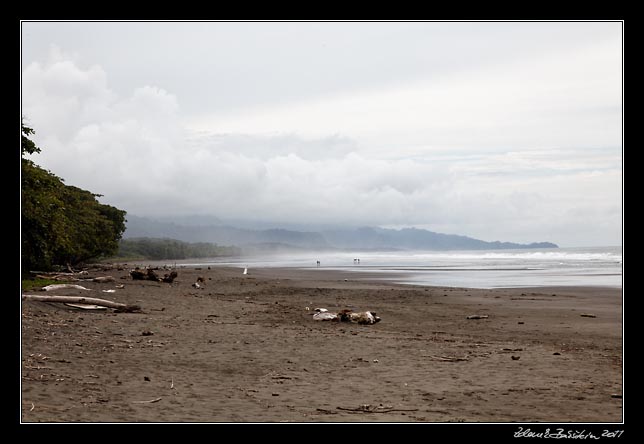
[(245, 349)]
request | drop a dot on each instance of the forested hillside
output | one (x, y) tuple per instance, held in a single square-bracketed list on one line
[(160, 249)]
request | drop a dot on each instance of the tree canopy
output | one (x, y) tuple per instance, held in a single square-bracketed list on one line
[(27, 145), (62, 224)]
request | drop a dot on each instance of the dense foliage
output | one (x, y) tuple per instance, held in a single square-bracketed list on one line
[(62, 224), (162, 249), (26, 144)]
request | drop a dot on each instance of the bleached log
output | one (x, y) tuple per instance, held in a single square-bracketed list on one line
[(82, 300), (63, 287)]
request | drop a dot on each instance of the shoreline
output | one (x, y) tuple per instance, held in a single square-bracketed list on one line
[(331, 273), (244, 348)]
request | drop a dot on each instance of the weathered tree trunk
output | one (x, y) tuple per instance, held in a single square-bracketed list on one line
[(144, 275), (82, 300), (169, 278)]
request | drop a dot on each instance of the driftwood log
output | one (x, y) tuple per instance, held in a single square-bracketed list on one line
[(149, 275), (169, 278), (144, 275), (117, 306)]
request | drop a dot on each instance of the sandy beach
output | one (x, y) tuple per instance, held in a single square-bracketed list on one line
[(244, 348)]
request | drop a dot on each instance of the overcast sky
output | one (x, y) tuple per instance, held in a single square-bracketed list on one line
[(505, 131)]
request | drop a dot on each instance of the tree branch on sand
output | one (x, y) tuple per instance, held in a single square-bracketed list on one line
[(117, 306), (368, 408)]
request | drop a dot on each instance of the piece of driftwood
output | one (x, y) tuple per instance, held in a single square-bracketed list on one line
[(448, 358), (58, 277), (328, 412), (117, 306), (148, 402), (86, 306), (325, 316), (103, 279), (144, 275), (169, 278), (368, 408), (138, 275), (346, 315), (63, 287)]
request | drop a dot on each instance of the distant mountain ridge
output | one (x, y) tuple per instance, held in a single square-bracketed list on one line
[(364, 238), (418, 239)]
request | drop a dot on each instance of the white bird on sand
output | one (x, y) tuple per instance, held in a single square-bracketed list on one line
[(245, 270)]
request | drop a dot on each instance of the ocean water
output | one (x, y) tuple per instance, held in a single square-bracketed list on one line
[(592, 266)]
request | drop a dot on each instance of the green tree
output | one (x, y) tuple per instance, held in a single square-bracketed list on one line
[(27, 145), (62, 224)]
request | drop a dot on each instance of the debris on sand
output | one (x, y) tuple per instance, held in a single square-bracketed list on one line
[(325, 316), (346, 315), (362, 317), (199, 283), (148, 402), (588, 315), (61, 276), (478, 317), (146, 274), (103, 279), (169, 278), (86, 306), (368, 408), (118, 307), (64, 287), (448, 358)]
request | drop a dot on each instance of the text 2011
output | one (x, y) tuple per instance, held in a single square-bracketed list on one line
[(612, 433)]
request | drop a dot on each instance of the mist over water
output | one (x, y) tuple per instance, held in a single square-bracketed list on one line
[(592, 266)]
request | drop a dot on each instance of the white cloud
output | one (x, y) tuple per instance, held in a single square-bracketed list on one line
[(266, 146), (566, 98), (60, 96), (95, 139), (499, 153)]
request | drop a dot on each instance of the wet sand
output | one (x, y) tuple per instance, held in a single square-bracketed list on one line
[(246, 349)]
